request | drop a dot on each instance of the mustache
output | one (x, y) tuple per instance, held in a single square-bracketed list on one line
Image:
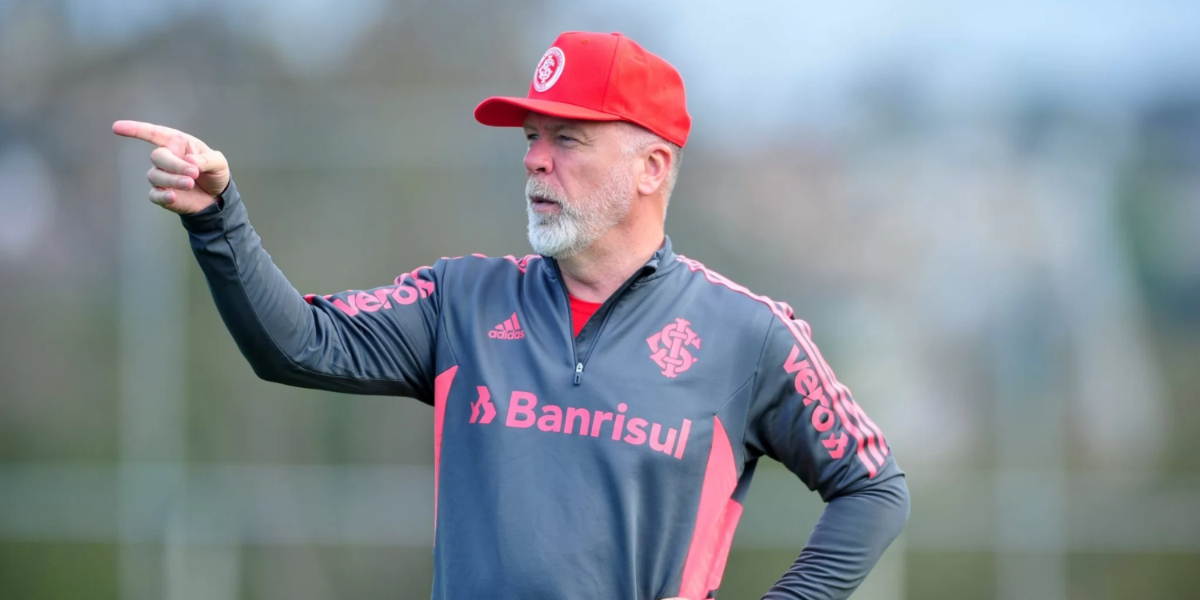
[(536, 188)]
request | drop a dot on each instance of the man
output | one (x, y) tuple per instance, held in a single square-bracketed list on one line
[(598, 408)]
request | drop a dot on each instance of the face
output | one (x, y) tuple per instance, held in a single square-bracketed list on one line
[(579, 183)]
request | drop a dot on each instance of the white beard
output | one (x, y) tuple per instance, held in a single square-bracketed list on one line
[(580, 222)]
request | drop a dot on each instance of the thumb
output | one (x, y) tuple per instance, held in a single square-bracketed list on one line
[(214, 171), (207, 162)]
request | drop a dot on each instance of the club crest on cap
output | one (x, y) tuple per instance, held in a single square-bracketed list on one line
[(549, 69)]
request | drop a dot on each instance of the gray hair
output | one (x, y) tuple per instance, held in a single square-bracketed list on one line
[(637, 138)]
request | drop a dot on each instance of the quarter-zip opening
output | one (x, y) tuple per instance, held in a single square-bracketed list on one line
[(605, 310), (570, 332)]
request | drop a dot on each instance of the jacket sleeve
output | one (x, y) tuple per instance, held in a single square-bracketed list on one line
[(378, 341), (803, 417)]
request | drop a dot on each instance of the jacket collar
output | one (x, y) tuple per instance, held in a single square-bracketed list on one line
[(662, 261)]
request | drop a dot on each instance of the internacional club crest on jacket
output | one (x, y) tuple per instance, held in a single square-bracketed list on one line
[(669, 347)]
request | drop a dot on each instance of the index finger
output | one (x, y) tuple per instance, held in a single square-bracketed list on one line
[(147, 132)]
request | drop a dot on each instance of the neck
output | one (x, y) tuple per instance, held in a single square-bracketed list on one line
[(595, 273)]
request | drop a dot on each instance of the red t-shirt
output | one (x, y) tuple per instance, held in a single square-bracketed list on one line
[(581, 311)]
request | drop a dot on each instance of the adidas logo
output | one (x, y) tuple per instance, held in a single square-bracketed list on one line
[(510, 329)]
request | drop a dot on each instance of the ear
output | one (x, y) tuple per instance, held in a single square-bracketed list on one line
[(656, 165)]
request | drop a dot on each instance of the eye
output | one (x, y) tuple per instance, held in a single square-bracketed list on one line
[(567, 138), (529, 137)]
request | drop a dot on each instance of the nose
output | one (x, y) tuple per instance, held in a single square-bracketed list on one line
[(538, 158)]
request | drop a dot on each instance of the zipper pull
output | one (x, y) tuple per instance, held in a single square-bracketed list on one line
[(578, 372)]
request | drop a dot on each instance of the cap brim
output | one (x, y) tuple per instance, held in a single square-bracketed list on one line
[(503, 111)]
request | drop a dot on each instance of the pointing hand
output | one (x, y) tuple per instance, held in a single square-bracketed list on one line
[(187, 175)]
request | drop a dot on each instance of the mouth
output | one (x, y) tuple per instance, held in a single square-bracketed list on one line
[(543, 204)]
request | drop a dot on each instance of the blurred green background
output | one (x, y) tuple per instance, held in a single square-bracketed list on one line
[(990, 213)]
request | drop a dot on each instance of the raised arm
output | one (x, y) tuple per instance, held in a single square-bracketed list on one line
[(379, 341)]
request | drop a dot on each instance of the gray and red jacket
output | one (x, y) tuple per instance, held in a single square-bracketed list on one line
[(611, 465)]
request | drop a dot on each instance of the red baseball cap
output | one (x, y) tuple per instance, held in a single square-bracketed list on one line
[(599, 77)]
